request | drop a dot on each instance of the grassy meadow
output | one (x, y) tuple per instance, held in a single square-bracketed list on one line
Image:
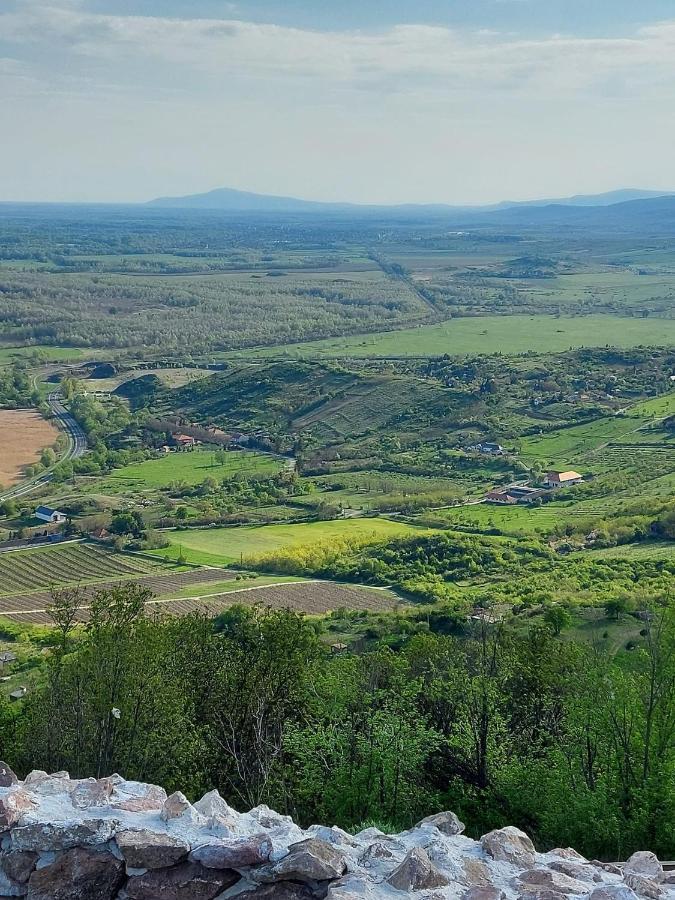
[(220, 546), (190, 467), (510, 335)]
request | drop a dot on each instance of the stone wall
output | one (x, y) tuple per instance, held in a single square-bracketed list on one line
[(67, 839)]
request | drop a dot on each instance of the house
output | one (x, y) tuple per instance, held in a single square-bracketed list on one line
[(562, 479), (503, 497), (18, 694), (7, 657), (185, 441), (487, 447), (47, 514)]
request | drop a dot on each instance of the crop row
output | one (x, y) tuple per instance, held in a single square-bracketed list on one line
[(32, 570)]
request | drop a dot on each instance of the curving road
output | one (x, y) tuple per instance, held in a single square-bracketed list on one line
[(77, 446)]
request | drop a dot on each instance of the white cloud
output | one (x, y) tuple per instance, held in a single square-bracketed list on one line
[(119, 106), (403, 58)]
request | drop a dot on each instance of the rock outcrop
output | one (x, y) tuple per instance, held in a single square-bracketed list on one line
[(112, 839)]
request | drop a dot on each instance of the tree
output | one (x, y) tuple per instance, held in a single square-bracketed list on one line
[(127, 522), (557, 617)]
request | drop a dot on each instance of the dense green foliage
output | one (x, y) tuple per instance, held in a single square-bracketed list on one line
[(501, 724)]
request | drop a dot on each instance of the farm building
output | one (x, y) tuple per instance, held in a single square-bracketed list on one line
[(488, 448), (185, 441), (18, 694), (7, 657), (562, 479), (526, 494), (47, 514), (503, 497)]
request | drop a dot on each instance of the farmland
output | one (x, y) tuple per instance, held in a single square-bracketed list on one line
[(226, 545), (508, 335), (22, 571), (190, 467), (23, 436)]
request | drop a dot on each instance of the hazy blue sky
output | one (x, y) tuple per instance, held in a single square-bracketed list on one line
[(366, 100)]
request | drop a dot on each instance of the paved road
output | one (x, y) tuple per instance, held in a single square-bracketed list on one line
[(77, 446)]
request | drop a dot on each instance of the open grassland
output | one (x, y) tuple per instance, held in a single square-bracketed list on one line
[(190, 467), (509, 335), (24, 434), (218, 546), (39, 354), (657, 407), (68, 564)]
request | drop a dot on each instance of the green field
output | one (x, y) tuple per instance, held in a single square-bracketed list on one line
[(41, 354), (220, 546), (564, 445), (509, 335), (191, 467), (647, 550)]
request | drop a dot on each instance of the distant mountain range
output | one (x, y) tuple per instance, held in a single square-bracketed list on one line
[(230, 200)]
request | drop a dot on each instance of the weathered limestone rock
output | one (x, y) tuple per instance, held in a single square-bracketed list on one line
[(45, 785), (133, 796), (446, 822), (187, 881), (149, 850), (7, 776), (282, 890), (416, 872), (580, 871), (48, 836), (613, 892), (213, 807), (567, 853), (644, 863), (18, 864), (483, 893), (15, 803), (509, 845), (91, 792), (111, 839), (236, 854), (475, 873), (643, 886), (311, 860), (78, 874), (554, 881)]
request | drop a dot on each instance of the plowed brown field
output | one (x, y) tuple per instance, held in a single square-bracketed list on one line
[(24, 434), (311, 597)]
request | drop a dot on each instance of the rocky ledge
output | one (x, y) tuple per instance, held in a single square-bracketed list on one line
[(101, 839)]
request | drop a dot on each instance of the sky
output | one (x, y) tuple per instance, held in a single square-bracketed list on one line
[(371, 101)]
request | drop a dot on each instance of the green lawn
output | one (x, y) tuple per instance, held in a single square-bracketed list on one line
[(192, 467), (490, 334), (219, 546)]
